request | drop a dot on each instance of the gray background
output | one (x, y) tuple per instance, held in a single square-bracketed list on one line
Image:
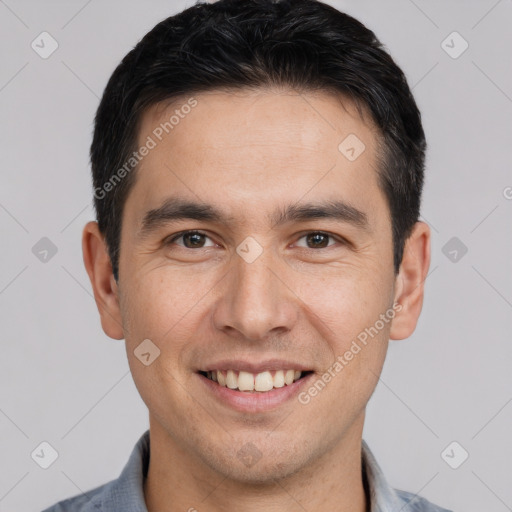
[(62, 380)]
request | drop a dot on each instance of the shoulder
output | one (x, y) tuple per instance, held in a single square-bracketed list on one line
[(416, 503), (119, 495), (86, 502)]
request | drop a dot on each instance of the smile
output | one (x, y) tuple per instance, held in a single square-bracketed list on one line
[(254, 392), (260, 382)]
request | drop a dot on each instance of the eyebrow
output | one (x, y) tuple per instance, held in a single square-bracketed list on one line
[(174, 208)]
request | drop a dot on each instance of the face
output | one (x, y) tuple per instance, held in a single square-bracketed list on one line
[(253, 242)]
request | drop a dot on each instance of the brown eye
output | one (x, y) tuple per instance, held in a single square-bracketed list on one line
[(316, 240), (191, 240)]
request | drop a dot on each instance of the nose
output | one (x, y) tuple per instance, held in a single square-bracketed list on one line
[(256, 300)]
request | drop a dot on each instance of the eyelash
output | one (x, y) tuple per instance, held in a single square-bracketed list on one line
[(193, 231)]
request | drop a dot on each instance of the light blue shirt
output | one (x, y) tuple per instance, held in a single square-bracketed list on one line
[(126, 494)]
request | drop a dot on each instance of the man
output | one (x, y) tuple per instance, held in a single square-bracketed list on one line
[(258, 169)]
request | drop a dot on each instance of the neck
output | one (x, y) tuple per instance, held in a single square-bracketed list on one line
[(178, 481)]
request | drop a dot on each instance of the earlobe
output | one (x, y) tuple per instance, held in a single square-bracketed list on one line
[(99, 268), (410, 281)]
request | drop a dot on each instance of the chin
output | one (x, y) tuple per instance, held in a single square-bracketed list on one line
[(260, 474), (252, 466)]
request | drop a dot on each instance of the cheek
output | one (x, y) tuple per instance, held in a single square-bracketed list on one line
[(166, 312), (161, 305), (347, 313), (345, 302), (167, 307)]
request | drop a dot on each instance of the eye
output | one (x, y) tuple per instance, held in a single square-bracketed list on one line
[(191, 239), (316, 240)]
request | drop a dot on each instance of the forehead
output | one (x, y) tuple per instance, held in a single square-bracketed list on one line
[(247, 148), (221, 118)]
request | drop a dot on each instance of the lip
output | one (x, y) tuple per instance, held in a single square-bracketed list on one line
[(255, 402), (252, 367)]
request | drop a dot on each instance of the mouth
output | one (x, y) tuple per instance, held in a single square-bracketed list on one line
[(247, 382), (254, 393), (253, 385)]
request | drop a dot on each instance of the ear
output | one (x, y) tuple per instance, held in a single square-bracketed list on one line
[(409, 283), (98, 266)]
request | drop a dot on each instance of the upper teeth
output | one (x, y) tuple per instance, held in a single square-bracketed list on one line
[(245, 381)]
